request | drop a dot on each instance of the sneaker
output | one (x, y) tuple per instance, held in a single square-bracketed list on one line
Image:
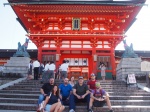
[(111, 111), (90, 110), (71, 110)]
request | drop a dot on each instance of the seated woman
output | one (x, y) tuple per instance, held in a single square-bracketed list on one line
[(52, 102), (72, 82)]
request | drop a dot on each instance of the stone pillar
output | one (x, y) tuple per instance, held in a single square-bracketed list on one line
[(17, 65), (127, 66)]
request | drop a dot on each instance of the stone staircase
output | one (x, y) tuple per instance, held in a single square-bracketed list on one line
[(22, 97)]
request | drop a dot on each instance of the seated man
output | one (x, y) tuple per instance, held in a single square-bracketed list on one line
[(99, 97), (80, 94), (45, 90), (91, 82), (65, 91)]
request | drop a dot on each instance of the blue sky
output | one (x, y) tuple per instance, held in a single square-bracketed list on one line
[(11, 32)]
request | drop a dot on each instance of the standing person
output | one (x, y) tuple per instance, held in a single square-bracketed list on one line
[(30, 69), (52, 102), (41, 69), (72, 82), (57, 75), (91, 82), (103, 68), (36, 66), (99, 97), (45, 90), (45, 75), (65, 91), (80, 94), (47, 66), (63, 70), (51, 68)]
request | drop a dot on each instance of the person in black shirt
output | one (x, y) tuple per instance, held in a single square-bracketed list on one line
[(80, 94), (52, 102), (45, 90)]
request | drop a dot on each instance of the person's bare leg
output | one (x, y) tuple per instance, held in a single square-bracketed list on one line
[(53, 107), (61, 108), (58, 105), (91, 103), (108, 103)]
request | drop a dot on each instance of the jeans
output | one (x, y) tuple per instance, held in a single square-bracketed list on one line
[(41, 98), (65, 101), (73, 99), (63, 74)]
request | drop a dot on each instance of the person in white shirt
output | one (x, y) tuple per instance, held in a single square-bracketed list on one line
[(36, 66), (47, 66), (51, 69), (63, 70)]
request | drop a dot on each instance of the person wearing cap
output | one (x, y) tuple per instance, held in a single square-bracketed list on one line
[(99, 97), (91, 82), (80, 94)]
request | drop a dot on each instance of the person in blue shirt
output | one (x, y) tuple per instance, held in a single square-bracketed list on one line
[(65, 91)]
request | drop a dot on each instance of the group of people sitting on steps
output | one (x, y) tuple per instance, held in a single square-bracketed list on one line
[(54, 98)]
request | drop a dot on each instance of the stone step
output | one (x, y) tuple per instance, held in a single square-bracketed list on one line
[(58, 80), (113, 102), (119, 108), (24, 95), (37, 89), (8, 95), (37, 86), (26, 89), (20, 91), (38, 92), (15, 111), (128, 94), (129, 97), (130, 102), (18, 100), (18, 106)]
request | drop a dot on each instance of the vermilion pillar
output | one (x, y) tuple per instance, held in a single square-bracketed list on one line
[(94, 56), (40, 54), (58, 55), (113, 61)]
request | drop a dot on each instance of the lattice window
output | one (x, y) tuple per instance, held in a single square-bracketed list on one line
[(46, 58)]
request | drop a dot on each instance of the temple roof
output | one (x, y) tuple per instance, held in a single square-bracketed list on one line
[(77, 1), (107, 20)]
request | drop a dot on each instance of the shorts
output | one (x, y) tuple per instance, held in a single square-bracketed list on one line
[(47, 108), (97, 103)]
